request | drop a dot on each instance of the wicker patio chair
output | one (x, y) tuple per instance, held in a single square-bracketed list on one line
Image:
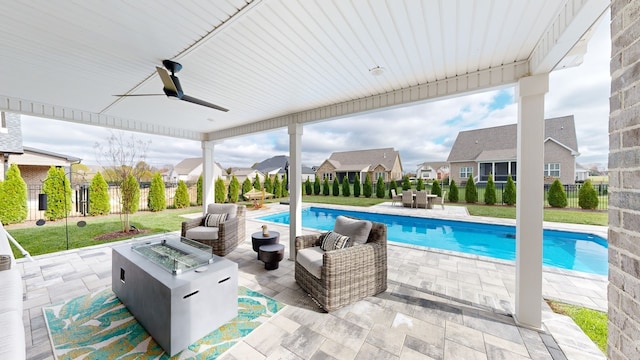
[(407, 198), (346, 275), (395, 197), (224, 237), (421, 199)]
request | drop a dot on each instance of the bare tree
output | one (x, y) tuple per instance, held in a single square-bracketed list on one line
[(119, 155)]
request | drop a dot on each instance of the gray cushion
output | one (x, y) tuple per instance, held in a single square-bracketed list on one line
[(357, 230), (202, 233), (311, 259), (231, 209)]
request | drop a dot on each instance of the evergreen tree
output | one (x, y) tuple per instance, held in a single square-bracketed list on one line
[(346, 188), (256, 183), (277, 187), (99, 202), (181, 197), (220, 191), (246, 185), (490, 191), (285, 183), (357, 186), (380, 188), (393, 185), (420, 185), (234, 190), (587, 196), (316, 186), (406, 183), (13, 197), (453, 192), (435, 188), (157, 200), (308, 188), (336, 187), (325, 187), (268, 185), (57, 187), (509, 195), (470, 191), (131, 195), (199, 191), (367, 189), (557, 197)]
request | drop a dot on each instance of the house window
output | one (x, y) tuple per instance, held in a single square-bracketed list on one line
[(328, 176), (466, 171), (552, 169), (378, 175), (3, 123)]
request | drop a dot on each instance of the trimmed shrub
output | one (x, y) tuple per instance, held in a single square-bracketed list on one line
[(55, 185), (234, 190), (220, 191), (256, 183), (181, 198), (277, 187), (308, 188), (346, 188), (420, 185), (587, 196), (367, 189), (556, 195), (325, 187), (490, 192), (13, 197), (435, 188), (157, 200), (316, 186), (357, 187), (470, 191), (99, 202), (335, 187), (130, 189), (406, 183), (380, 188), (268, 185), (393, 185), (199, 191), (285, 190), (453, 192), (246, 186), (509, 195)]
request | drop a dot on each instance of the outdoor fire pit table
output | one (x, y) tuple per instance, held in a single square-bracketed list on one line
[(258, 239)]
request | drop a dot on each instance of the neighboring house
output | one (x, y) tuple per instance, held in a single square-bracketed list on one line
[(582, 173), (375, 162), (189, 170), (278, 165), (493, 151), (435, 170), (33, 163), (242, 173)]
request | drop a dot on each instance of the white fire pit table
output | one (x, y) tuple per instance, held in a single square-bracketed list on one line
[(175, 287)]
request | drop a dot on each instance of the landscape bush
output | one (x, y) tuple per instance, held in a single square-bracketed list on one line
[(336, 187), (406, 183), (357, 186), (470, 191), (246, 186), (393, 185), (285, 184), (181, 198), (268, 185), (99, 202), (420, 185), (587, 196), (157, 200), (453, 192), (199, 191), (256, 183), (220, 191), (13, 197), (277, 187), (346, 188), (435, 188), (325, 187), (316, 186), (367, 188), (380, 188), (490, 191), (130, 190), (556, 195), (57, 187), (308, 188), (509, 194), (234, 190)]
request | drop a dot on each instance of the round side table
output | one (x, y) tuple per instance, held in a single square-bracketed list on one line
[(257, 240), (271, 255)]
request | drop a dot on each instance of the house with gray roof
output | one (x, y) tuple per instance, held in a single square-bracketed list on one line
[(189, 170), (493, 151), (278, 165), (375, 162), (433, 170)]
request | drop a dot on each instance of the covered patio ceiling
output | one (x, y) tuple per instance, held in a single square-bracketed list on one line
[(272, 62)]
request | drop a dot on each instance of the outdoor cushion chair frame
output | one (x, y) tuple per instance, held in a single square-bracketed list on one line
[(349, 274), (231, 233)]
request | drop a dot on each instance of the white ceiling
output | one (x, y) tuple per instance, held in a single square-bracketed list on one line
[(271, 62)]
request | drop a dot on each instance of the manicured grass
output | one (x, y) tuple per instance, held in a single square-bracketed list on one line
[(593, 323), (571, 216), (51, 237)]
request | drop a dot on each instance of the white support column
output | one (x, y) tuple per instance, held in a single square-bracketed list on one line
[(530, 93), (295, 187), (208, 195)]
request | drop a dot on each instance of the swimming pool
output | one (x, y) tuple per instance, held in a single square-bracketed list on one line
[(561, 249)]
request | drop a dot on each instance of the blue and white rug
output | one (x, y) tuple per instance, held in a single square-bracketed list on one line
[(99, 326)]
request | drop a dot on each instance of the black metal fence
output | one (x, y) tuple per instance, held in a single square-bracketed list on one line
[(81, 202)]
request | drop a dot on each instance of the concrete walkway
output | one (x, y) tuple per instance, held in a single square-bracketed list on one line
[(439, 305)]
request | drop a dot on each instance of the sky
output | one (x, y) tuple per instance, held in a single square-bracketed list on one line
[(582, 91)]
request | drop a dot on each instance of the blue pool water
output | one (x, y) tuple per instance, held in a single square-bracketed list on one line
[(561, 249)]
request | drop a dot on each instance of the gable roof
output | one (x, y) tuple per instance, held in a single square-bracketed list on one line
[(364, 159), (278, 162), (500, 142), (434, 164), (187, 165)]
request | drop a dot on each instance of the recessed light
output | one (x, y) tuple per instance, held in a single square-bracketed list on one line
[(376, 71)]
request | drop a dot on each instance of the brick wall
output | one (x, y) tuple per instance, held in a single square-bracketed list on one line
[(624, 182)]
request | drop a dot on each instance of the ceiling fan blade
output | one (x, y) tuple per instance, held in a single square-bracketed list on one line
[(167, 82), (203, 103), (127, 95)]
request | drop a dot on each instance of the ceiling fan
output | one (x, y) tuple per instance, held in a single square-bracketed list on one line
[(172, 87)]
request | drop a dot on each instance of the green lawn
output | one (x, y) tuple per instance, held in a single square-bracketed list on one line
[(572, 216), (593, 323)]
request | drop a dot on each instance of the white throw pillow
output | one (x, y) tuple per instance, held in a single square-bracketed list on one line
[(357, 230)]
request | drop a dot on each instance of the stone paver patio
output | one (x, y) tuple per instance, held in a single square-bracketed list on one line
[(438, 305)]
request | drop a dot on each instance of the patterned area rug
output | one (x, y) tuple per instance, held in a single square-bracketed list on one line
[(99, 326)]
